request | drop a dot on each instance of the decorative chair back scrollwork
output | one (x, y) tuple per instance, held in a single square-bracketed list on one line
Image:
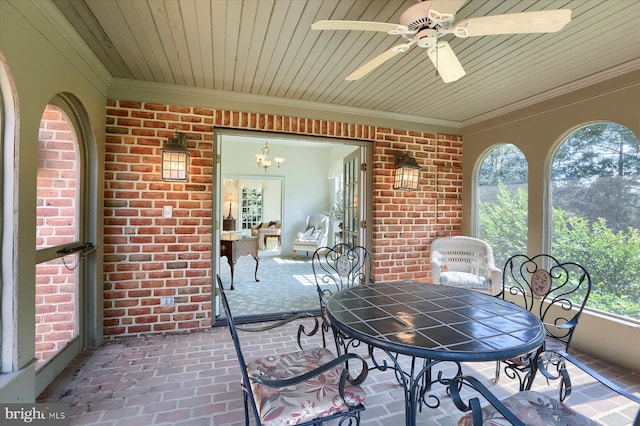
[(337, 268), (556, 292), (282, 388)]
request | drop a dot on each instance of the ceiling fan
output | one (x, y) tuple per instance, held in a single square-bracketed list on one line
[(424, 23)]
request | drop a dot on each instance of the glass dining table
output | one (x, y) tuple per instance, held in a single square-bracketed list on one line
[(434, 323)]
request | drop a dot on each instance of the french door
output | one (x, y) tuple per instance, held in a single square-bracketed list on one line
[(354, 213)]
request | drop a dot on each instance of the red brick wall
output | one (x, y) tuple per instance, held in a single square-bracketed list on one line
[(405, 222), (147, 257)]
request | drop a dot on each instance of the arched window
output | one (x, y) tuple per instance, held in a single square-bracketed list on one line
[(502, 202), (596, 212), (57, 225)]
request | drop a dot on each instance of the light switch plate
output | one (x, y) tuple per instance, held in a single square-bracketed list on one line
[(167, 212)]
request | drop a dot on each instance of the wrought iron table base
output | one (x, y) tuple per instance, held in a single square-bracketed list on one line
[(416, 382)]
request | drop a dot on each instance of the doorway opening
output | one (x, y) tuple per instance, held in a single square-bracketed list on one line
[(272, 205)]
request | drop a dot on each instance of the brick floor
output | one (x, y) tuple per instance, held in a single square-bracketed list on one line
[(193, 379)]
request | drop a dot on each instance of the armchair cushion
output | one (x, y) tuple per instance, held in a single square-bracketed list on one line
[(310, 234), (464, 279), (305, 401)]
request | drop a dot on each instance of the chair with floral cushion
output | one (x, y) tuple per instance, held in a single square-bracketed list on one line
[(529, 408), (556, 292), (306, 387), (338, 268)]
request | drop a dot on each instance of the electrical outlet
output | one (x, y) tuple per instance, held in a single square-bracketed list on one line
[(165, 301)]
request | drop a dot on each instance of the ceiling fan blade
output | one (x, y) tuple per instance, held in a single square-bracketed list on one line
[(377, 61), (545, 21), (358, 26), (449, 7), (446, 62)]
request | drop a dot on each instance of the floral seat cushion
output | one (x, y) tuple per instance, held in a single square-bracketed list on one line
[(534, 409), (303, 402), (464, 279)]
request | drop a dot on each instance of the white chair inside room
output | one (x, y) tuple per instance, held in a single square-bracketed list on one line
[(314, 235)]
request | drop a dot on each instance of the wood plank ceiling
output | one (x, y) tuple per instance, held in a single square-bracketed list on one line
[(266, 47)]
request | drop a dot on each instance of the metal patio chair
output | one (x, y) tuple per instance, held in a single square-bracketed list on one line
[(554, 291), (528, 408), (306, 387), (337, 268)]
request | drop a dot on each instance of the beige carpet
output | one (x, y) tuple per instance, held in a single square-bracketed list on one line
[(286, 285)]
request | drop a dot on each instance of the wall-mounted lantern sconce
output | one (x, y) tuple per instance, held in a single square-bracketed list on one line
[(407, 172), (175, 159)]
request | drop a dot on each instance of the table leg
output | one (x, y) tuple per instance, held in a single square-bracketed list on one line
[(256, 272), (232, 264)]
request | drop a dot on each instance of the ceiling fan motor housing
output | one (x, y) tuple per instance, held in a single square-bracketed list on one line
[(417, 17)]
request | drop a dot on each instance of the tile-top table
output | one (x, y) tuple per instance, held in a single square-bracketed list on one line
[(433, 322)]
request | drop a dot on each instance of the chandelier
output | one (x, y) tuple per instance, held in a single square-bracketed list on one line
[(265, 160)]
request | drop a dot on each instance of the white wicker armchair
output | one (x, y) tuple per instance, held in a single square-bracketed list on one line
[(465, 262)]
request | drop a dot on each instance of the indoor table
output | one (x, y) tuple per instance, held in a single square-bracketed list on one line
[(435, 323), (234, 248)]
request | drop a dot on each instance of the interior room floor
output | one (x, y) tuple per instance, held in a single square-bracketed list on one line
[(286, 285)]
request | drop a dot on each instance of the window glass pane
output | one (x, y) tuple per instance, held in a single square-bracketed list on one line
[(251, 205), (596, 214), (503, 202), (56, 319), (57, 170)]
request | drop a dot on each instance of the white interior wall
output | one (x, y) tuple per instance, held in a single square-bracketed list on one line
[(304, 173)]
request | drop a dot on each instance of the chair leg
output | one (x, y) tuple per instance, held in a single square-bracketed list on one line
[(497, 372), (294, 255), (531, 374), (325, 329), (246, 408)]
